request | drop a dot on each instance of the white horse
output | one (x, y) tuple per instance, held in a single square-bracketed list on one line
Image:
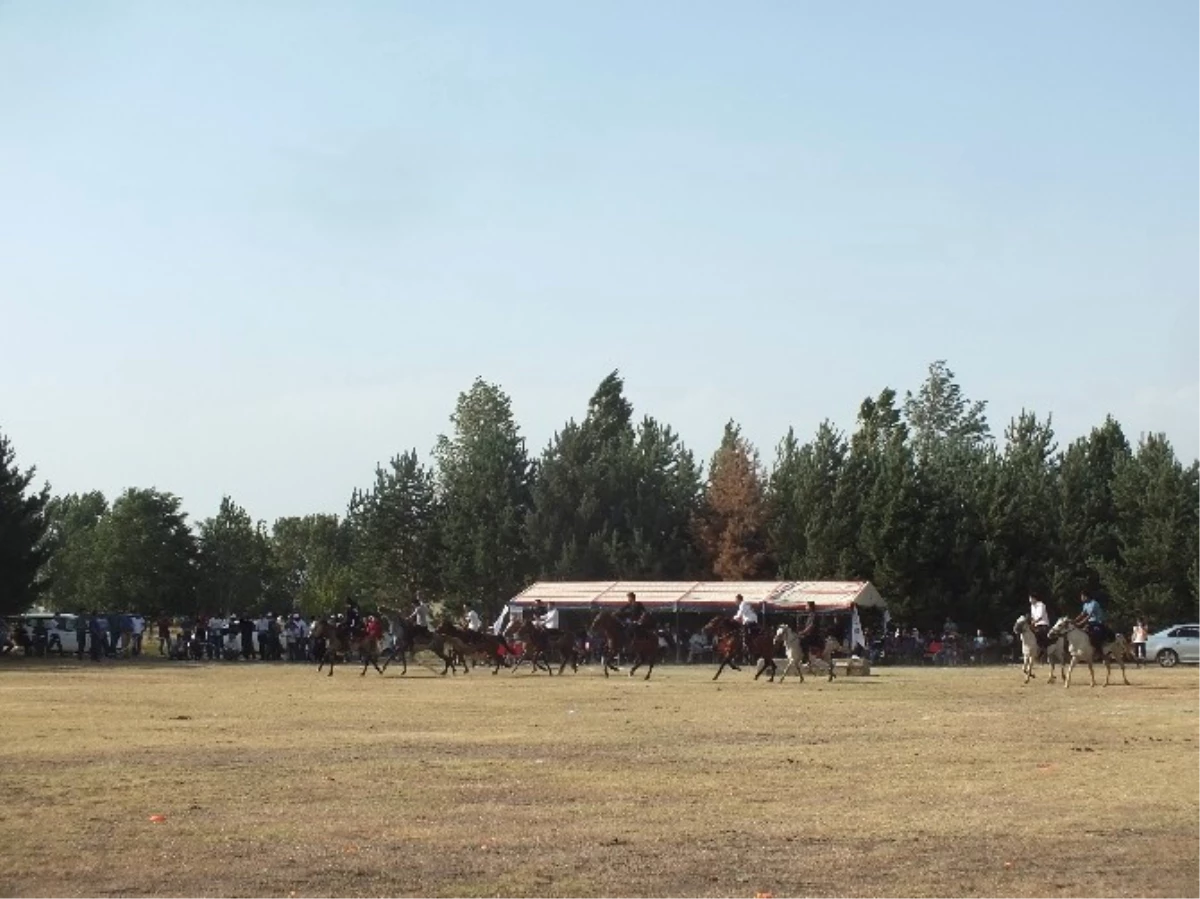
[(1081, 647), (1056, 652), (792, 649)]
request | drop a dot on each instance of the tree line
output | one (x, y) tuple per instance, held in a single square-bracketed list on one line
[(920, 498)]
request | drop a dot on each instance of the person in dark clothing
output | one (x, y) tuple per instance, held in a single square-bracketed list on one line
[(630, 613), (353, 619), (246, 629), (81, 632), (97, 628)]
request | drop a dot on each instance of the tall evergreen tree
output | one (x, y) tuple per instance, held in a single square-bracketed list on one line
[(395, 537), (233, 562), (1020, 518), (732, 524), (1087, 514), (1155, 501), (613, 501), (23, 524), (484, 486)]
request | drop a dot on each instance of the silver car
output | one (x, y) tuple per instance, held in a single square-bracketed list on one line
[(1180, 643)]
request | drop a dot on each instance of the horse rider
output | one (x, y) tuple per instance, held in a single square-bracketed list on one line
[(538, 612), (1091, 619), (630, 614), (353, 618), (549, 621), (374, 628), (1039, 620), (810, 635), (420, 614), (473, 621), (745, 617)]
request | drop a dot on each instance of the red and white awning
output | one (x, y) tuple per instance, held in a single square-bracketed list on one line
[(689, 596)]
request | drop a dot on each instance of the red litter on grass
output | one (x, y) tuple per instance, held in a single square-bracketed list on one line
[(158, 819)]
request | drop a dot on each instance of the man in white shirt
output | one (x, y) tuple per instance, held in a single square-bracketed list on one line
[(474, 622), (139, 628), (1039, 620), (549, 621), (420, 615), (216, 637), (745, 615)]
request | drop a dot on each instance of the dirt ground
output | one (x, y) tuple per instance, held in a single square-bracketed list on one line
[(274, 780)]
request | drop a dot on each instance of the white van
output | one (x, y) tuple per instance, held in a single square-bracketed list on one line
[(62, 625)]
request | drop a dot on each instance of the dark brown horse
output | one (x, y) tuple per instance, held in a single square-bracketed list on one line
[(411, 637), (541, 644), (337, 642), (730, 643), (639, 643), (477, 644)]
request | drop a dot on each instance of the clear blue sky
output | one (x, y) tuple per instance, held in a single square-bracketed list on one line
[(254, 248)]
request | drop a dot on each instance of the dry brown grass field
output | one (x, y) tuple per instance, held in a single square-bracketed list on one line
[(277, 781)]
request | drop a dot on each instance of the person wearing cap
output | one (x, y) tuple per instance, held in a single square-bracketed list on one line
[(474, 622)]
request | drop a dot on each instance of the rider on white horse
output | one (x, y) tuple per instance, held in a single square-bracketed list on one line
[(1039, 620), (1091, 619)]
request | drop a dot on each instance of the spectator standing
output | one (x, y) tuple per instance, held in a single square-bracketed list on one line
[(138, 626), (246, 628), (81, 632), (1138, 639)]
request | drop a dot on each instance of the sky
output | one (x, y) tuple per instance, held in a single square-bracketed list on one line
[(256, 249)]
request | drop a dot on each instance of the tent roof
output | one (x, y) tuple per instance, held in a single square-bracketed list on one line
[(829, 596)]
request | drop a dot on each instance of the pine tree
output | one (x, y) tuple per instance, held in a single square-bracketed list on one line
[(23, 525), (395, 533), (233, 562), (732, 524), (484, 488)]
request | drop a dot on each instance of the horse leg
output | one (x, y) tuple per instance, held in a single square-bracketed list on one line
[(636, 665), (649, 669), (1092, 671), (724, 662), (760, 668)]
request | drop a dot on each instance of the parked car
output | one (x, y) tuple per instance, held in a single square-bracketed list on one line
[(63, 625), (1180, 643)]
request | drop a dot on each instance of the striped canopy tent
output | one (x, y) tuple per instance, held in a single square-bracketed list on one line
[(701, 596)]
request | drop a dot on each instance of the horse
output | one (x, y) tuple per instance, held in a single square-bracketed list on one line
[(1056, 652), (336, 642), (540, 643), (640, 643), (792, 648), (729, 641), (479, 644), (410, 637), (1080, 645)]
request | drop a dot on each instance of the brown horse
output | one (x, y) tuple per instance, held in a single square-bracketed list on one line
[(477, 644), (338, 643), (730, 642), (540, 644), (412, 637), (640, 643)]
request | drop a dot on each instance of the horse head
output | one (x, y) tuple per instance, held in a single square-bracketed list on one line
[(1060, 627), (1020, 626)]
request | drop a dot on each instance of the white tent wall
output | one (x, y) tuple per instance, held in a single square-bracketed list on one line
[(783, 596)]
